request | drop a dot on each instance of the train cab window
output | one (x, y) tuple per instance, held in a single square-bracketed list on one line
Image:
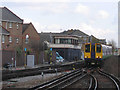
[(98, 48), (87, 48)]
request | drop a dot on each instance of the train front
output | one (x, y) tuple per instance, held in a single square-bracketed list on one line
[(93, 54)]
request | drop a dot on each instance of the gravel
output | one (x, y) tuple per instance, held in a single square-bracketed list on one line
[(28, 82), (112, 65)]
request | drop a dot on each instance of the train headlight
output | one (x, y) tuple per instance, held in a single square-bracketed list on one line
[(100, 57), (97, 57), (85, 56)]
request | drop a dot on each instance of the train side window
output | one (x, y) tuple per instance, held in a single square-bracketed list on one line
[(98, 48), (87, 48)]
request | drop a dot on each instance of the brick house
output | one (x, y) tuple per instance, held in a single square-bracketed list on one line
[(13, 35), (13, 24), (31, 40), (4, 34)]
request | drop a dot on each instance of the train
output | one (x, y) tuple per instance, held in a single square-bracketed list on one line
[(94, 53)]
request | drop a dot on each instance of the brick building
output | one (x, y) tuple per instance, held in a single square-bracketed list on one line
[(31, 40), (13, 35), (13, 24)]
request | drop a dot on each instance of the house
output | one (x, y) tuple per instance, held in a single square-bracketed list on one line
[(102, 41), (15, 36), (4, 34), (11, 26), (31, 40), (93, 39), (83, 37)]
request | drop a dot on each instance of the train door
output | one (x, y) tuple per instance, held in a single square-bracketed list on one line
[(92, 51), (98, 51), (87, 50)]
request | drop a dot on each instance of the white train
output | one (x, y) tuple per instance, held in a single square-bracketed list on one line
[(107, 50)]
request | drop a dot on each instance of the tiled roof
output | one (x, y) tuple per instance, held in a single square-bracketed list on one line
[(7, 15), (75, 32), (24, 27)]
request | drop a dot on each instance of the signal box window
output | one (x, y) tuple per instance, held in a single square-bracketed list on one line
[(98, 49), (87, 48)]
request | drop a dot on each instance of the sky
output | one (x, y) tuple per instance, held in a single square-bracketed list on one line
[(98, 18)]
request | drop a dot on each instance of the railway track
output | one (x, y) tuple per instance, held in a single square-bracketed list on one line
[(93, 83), (69, 80), (8, 74), (61, 82), (28, 73), (113, 79)]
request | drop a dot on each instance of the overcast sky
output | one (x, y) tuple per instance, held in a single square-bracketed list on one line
[(98, 18)]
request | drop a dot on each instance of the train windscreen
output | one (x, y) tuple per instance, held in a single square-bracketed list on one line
[(87, 48), (98, 48)]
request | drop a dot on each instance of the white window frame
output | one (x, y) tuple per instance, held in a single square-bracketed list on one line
[(17, 40), (17, 26), (10, 24), (27, 39), (3, 38), (10, 39)]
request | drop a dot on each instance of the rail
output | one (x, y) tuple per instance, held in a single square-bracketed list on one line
[(93, 83), (115, 80), (55, 82)]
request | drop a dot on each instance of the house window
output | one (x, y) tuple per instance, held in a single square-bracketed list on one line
[(26, 39), (6, 24), (10, 25), (17, 26), (17, 40), (10, 39), (3, 39)]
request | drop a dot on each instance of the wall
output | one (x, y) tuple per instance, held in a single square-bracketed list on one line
[(69, 54), (8, 55)]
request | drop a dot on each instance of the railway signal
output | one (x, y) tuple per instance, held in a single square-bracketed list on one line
[(25, 49), (50, 55)]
